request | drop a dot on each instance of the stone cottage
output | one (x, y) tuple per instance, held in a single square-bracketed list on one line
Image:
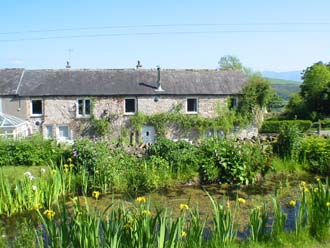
[(60, 103)]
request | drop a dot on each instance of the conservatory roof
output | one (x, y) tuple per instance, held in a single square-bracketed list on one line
[(10, 121)]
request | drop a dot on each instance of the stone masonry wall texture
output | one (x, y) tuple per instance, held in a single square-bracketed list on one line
[(63, 111)]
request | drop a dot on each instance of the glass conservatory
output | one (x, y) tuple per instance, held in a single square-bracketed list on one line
[(14, 127)]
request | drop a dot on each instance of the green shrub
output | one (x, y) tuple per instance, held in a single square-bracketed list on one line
[(229, 161), (29, 151), (276, 126), (183, 158), (315, 153), (288, 144)]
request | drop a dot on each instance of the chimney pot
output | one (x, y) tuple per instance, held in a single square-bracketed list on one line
[(68, 66)]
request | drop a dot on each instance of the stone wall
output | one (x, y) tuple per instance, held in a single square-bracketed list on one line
[(63, 111)]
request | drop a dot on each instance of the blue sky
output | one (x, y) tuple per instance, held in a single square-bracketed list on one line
[(264, 35)]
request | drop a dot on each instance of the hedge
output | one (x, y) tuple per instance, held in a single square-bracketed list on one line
[(275, 126), (315, 153)]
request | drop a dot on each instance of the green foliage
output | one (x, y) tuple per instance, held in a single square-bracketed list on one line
[(232, 162), (258, 221), (101, 126), (315, 88), (279, 219), (224, 230), (225, 120), (284, 91), (257, 94), (182, 157), (319, 214), (288, 144), (314, 94), (29, 151), (315, 153), (232, 63), (276, 126), (296, 107)]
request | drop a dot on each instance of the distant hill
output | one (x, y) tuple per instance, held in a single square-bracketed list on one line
[(282, 81), (288, 75), (285, 88)]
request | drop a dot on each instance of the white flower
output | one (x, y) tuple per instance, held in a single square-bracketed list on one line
[(31, 177), (28, 173), (34, 187), (43, 170)]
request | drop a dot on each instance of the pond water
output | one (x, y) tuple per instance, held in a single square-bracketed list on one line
[(286, 187)]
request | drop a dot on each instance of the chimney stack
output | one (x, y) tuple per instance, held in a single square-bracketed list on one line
[(159, 85), (138, 64), (68, 66)]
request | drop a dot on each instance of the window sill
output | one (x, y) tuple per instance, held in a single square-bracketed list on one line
[(191, 113), (36, 115), (83, 116), (130, 113)]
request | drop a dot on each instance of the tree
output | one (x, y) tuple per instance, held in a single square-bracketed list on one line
[(315, 87), (232, 63), (314, 97), (257, 95), (296, 107)]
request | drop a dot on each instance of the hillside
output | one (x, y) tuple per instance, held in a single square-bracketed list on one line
[(285, 88), (282, 81), (287, 75)]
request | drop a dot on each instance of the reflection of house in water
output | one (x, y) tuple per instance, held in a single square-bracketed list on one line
[(60, 103)]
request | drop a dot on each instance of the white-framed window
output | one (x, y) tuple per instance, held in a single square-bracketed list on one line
[(84, 107), (130, 105), (49, 131), (63, 132), (36, 107), (192, 105)]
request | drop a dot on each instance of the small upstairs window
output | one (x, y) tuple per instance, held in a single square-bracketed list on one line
[(192, 105), (130, 105), (36, 107), (84, 108)]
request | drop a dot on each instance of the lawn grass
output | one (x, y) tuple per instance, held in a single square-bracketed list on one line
[(17, 172)]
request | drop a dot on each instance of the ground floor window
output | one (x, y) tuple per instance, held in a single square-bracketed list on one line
[(49, 131), (63, 132)]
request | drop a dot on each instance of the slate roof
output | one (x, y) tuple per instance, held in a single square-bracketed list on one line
[(115, 82), (9, 80)]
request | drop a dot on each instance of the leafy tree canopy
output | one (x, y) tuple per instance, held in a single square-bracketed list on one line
[(232, 63), (257, 94), (314, 96)]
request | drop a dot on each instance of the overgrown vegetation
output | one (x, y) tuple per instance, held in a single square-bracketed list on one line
[(313, 100), (276, 126), (75, 222), (29, 151)]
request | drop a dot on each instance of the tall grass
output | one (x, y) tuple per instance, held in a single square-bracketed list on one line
[(77, 224)]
